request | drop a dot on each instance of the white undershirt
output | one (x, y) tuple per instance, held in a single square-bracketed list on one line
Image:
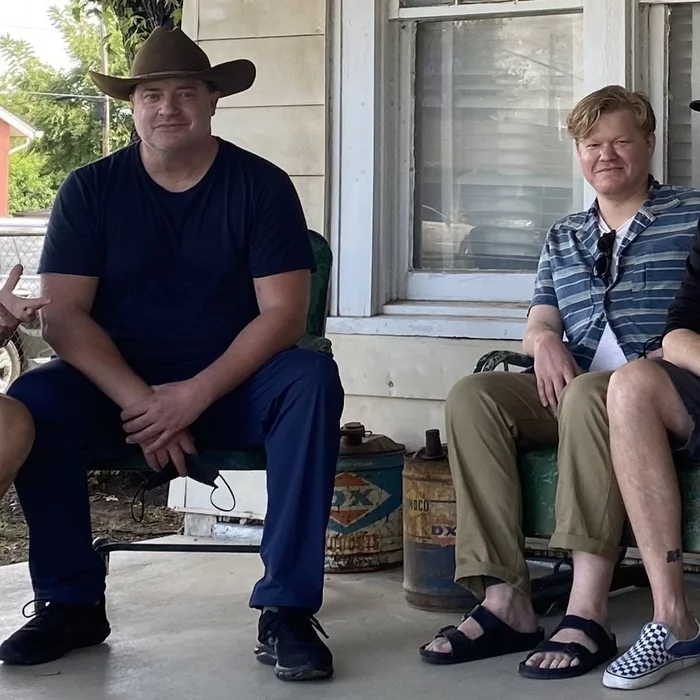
[(608, 355)]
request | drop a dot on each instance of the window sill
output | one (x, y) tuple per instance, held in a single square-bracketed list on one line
[(448, 320)]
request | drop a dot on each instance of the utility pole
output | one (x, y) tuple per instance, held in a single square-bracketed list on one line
[(105, 69)]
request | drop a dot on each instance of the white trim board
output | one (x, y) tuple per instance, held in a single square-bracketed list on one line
[(485, 9)]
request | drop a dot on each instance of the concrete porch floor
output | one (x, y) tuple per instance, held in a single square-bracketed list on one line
[(182, 629)]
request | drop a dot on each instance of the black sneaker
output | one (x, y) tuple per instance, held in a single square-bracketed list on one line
[(54, 631), (288, 641)]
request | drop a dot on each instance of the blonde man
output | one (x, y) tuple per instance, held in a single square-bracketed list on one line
[(605, 279)]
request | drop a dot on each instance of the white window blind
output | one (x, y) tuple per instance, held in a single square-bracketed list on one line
[(428, 3), (683, 138), (495, 166)]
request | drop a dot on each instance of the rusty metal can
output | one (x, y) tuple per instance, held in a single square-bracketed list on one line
[(365, 526), (430, 527)]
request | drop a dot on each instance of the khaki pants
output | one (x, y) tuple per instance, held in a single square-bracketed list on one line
[(488, 415)]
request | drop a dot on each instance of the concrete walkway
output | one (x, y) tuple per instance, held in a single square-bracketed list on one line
[(183, 630)]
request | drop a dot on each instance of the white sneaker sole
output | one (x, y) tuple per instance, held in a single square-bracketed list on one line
[(612, 681)]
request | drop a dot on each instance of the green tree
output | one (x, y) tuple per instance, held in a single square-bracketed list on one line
[(31, 188), (136, 19), (63, 104)]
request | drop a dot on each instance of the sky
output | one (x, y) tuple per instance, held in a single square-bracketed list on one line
[(28, 20)]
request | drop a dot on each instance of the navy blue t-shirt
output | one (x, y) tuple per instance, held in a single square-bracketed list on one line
[(176, 270)]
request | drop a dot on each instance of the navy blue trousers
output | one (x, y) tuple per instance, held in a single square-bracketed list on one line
[(292, 406)]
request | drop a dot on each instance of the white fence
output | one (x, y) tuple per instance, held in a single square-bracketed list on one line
[(21, 241)]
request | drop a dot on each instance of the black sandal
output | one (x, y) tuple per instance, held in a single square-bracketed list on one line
[(587, 660), (498, 639)]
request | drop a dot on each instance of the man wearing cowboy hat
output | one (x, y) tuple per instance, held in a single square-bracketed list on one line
[(179, 271)]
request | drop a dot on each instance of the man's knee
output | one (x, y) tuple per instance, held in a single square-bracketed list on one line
[(315, 371), (49, 392), (474, 396), (635, 384), (584, 393), (16, 426)]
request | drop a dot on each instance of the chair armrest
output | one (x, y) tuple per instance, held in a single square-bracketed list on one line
[(491, 360), (312, 342)]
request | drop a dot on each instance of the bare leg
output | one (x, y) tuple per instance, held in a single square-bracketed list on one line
[(643, 408), (589, 599), (16, 438)]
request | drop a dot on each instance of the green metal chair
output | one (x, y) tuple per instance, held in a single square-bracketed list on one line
[(538, 471), (237, 460), (538, 478)]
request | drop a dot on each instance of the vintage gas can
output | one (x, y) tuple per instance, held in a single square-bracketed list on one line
[(430, 526), (365, 526)]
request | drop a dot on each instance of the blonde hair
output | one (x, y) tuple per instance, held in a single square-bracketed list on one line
[(611, 98)]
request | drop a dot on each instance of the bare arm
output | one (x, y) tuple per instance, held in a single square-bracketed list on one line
[(78, 340), (681, 344), (543, 323), (283, 301)]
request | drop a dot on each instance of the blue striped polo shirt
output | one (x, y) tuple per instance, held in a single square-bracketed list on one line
[(651, 265)]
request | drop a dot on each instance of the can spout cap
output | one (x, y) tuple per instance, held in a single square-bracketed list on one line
[(433, 445), (351, 434)]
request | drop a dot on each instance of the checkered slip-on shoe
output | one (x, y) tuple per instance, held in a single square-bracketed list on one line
[(653, 656)]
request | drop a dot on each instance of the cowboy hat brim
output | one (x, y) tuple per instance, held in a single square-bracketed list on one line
[(228, 78)]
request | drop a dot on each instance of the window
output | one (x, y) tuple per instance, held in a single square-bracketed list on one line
[(494, 163), (449, 155), (683, 159), (670, 74), (427, 3)]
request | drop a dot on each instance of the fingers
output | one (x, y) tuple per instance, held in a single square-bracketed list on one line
[(160, 442), (33, 305), (178, 458), (558, 383), (136, 425), (187, 444), (138, 409), (148, 435), (12, 279), (551, 394), (162, 457), (542, 391), (156, 460), (152, 461), (568, 374), (8, 322)]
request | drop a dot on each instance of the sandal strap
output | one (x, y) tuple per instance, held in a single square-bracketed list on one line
[(589, 627), (489, 622), (572, 649), (460, 643)]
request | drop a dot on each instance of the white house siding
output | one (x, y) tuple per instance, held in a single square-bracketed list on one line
[(397, 385), (283, 116)]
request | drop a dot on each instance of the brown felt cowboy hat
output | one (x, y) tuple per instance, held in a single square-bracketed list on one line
[(170, 53)]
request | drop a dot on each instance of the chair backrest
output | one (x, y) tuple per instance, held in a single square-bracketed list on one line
[(320, 283)]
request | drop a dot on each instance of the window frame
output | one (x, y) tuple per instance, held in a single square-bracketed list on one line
[(652, 77), (372, 171)]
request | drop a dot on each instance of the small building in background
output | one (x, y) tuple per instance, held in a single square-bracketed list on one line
[(11, 127)]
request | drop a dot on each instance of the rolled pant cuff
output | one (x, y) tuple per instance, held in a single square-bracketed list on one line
[(578, 543), (470, 576)]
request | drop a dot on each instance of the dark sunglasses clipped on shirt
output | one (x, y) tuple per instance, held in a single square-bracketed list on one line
[(603, 263)]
